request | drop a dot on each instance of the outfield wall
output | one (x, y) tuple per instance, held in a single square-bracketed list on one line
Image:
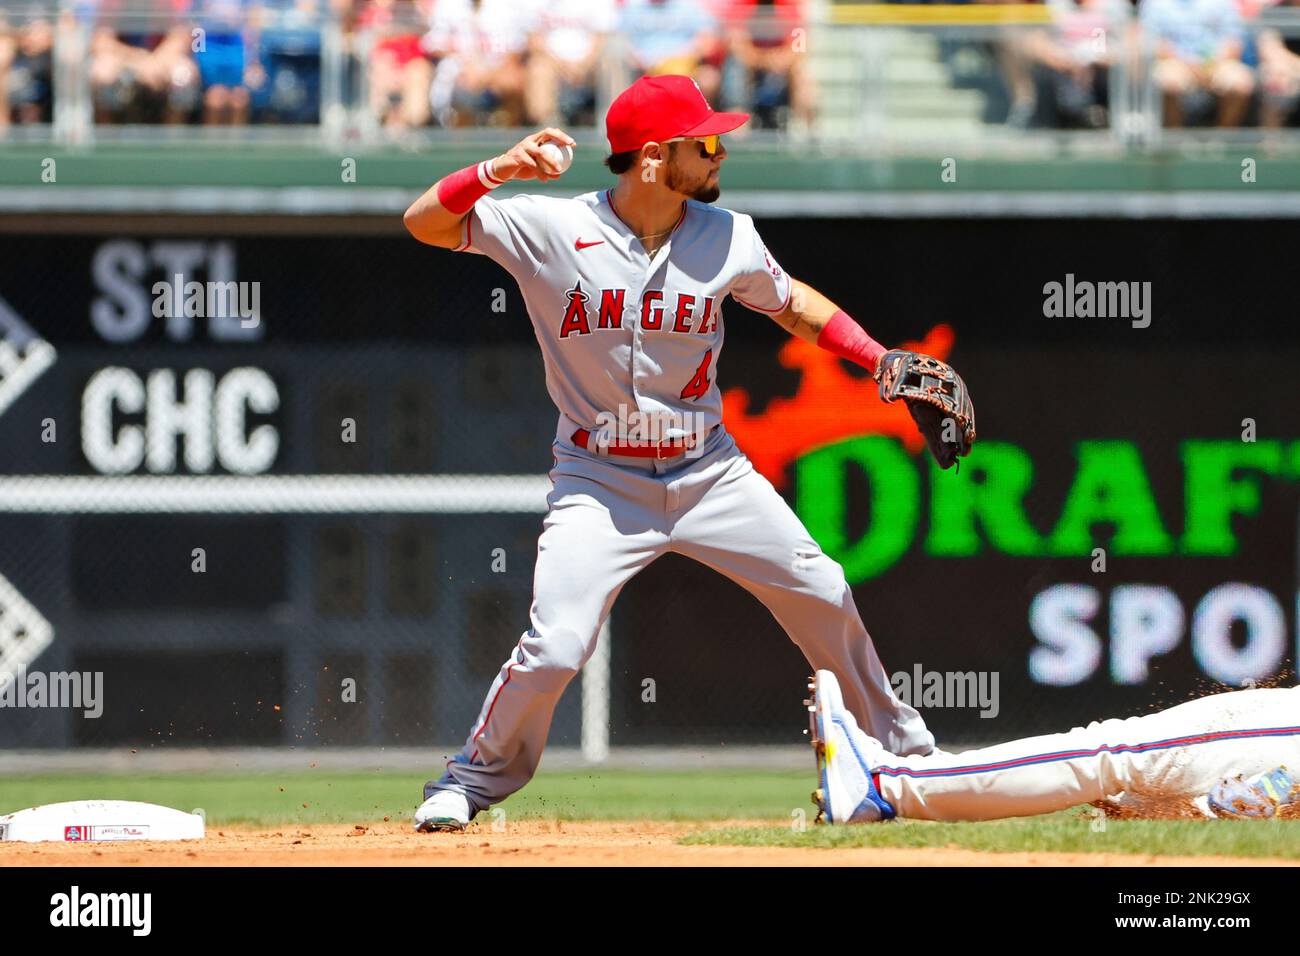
[(401, 560)]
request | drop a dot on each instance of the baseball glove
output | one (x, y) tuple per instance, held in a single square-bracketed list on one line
[(937, 398)]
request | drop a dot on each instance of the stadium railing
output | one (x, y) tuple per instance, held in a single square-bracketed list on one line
[(891, 78)]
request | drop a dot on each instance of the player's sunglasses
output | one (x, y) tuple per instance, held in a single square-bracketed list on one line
[(708, 144)]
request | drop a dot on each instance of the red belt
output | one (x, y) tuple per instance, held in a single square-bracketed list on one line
[(664, 449)]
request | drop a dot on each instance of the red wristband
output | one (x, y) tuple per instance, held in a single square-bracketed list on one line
[(459, 191), (847, 339)]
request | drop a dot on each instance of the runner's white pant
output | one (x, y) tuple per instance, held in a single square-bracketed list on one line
[(608, 519), (1173, 755)]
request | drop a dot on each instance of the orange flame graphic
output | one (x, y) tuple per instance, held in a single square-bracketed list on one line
[(830, 405)]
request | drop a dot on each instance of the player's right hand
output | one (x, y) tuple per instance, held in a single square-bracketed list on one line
[(525, 160)]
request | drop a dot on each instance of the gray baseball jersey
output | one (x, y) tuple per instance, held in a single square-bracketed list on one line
[(620, 329)]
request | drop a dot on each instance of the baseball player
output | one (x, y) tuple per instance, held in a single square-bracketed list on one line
[(1234, 754), (626, 290)]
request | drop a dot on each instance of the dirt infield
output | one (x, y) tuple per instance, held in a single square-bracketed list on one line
[(531, 844)]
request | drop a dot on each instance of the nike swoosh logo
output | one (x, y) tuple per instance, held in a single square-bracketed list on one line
[(579, 245)]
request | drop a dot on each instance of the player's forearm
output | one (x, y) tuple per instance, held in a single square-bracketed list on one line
[(816, 319), (435, 218), (807, 313)]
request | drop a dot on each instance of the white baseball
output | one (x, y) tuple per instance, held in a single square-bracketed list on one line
[(561, 156)]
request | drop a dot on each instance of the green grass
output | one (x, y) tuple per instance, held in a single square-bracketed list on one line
[(1070, 831), (273, 799), (662, 795)]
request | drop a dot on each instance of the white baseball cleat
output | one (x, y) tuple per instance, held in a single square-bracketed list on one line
[(445, 810), (846, 756)]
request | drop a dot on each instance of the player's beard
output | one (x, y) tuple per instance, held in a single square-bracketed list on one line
[(700, 190)]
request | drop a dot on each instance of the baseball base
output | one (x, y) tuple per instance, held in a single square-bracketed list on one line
[(86, 821)]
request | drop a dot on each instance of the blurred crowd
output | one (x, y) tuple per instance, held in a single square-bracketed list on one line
[(451, 63), (1208, 66), (414, 63), (537, 62)]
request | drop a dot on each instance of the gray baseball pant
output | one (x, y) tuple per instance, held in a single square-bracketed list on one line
[(609, 517)]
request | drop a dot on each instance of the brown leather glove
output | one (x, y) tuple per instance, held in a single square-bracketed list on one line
[(937, 398)]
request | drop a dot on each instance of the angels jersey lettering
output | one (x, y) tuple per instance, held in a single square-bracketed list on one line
[(620, 329)]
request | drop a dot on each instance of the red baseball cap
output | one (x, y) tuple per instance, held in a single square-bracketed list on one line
[(658, 108)]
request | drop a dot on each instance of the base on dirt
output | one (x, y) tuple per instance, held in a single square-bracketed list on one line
[(85, 821)]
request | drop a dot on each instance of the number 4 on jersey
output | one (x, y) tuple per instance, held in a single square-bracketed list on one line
[(698, 386)]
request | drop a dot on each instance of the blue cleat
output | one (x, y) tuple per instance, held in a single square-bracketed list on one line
[(845, 756), (1258, 797)]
